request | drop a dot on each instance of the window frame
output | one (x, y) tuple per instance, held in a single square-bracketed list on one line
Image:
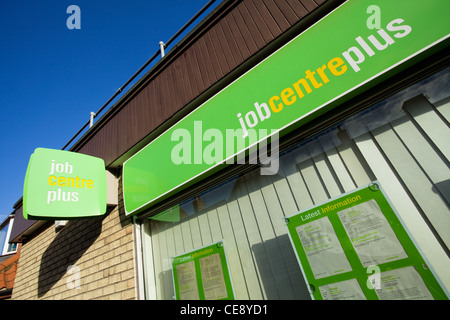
[(5, 250)]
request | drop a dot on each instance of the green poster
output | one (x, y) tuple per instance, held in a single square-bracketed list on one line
[(355, 247), (202, 274)]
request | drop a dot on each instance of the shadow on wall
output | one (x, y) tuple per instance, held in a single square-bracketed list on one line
[(124, 219), (69, 245), (279, 270)]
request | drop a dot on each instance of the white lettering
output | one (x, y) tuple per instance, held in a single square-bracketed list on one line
[(74, 21)]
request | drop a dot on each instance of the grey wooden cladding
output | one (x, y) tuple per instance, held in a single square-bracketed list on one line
[(404, 152), (250, 221), (240, 30)]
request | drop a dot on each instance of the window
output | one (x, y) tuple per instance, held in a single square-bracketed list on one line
[(401, 141), (5, 232)]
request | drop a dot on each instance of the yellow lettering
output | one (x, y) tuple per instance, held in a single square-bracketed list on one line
[(273, 106), (50, 180), (61, 181), (305, 86), (310, 75), (334, 64), (70, 182), (285, 94), (288, 96), (76, 182), (322, 74)]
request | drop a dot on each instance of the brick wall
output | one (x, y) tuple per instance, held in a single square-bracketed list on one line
[(101, 249)]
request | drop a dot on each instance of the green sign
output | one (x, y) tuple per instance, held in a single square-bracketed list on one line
[(339, 57), (64, 185), (202, 274), (355, 247)]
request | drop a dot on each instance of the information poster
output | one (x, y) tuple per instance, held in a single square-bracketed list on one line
[(355, 247), (202, 274)]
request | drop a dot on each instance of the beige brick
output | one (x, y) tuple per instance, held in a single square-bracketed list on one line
[(106, 264), (115, 296), (108, 290), (128, 294), (120, 286)]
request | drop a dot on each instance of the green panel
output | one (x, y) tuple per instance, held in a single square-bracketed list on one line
[(334, 60), (64, 185), (318, 244), (202, 274)]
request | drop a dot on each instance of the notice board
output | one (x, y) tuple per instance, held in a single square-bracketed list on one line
[(202, 274), (355, 247)]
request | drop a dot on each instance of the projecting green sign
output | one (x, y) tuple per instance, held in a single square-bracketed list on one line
[(64, 185), (355, 247), (202, 274), (329, 63)]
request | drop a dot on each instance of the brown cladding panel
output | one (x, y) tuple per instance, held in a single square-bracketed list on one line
[(259, 22), (166, 99), (249, 41), (217, 55), (195, 90), (277, 15), (287, 11), (229, 55), (238, 38), (254, 29), (309, 5), (179, 82), (232, 39), (298, 8), (267, 18), (174, 87), (209, 70), (153, 97), (184, 78), (240, 32)]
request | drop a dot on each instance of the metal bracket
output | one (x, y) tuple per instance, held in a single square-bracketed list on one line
[(161, 48)]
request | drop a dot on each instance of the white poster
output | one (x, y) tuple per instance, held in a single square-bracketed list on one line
[(187, 281), (323, 249), (371, 235), (403, 284), (212, 277), (344, 290)]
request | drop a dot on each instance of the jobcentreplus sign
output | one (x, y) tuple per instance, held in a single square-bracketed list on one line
[(61, 181), (352, 59)]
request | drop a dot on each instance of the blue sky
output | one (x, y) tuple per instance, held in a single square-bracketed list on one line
[(53, 77)]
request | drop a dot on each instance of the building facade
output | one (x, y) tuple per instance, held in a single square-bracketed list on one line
[(9, 256), (341, 100)]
